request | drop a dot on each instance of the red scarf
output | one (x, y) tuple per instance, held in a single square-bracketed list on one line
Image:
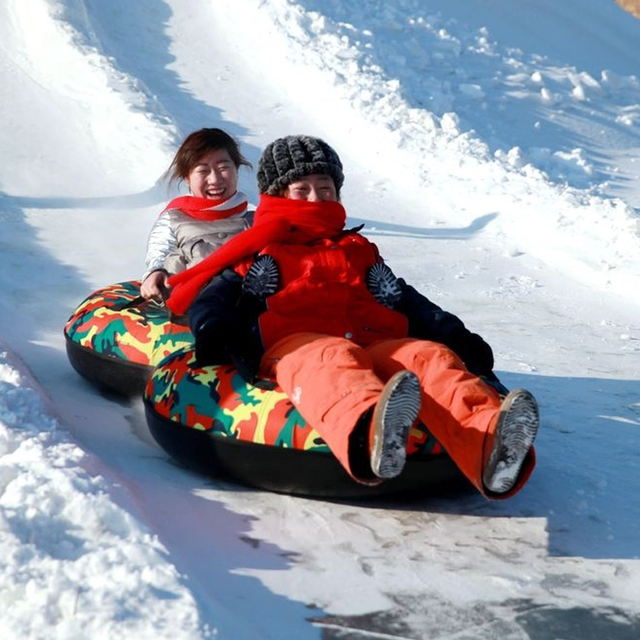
[(276, 220), (208, 209)]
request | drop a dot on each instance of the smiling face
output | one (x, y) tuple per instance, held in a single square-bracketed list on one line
[(317, 187), (214, 176)]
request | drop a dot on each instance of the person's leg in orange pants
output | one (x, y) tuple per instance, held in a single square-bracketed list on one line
[(458, 408), (330, 381), (334, 382)]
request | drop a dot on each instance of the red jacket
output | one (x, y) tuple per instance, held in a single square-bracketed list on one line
[(323, 290)]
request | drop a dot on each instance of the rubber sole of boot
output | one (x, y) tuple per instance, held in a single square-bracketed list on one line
[(515, 433), (395, 412)]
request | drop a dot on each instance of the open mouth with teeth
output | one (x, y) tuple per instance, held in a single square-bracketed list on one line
[(215, 193)]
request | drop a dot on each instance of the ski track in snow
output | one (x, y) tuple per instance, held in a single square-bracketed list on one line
[(500, 146)]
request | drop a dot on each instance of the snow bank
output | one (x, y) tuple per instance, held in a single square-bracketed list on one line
[(74, 564)]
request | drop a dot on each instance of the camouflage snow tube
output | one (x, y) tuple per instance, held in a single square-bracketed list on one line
[(210, 419), (114, 338)]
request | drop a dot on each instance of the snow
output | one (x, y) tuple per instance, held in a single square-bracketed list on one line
[(492, 149)]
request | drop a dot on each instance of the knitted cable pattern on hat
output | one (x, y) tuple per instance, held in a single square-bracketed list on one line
[(288, 159)]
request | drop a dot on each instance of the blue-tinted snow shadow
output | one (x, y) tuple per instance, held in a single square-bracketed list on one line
[(154, 195), (586, 483), (36, 290), (377, 228)]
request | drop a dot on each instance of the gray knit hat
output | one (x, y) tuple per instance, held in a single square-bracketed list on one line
[(288, 159)]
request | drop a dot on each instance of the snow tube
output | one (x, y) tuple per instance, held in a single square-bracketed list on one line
[(211, 420), (114, 338)]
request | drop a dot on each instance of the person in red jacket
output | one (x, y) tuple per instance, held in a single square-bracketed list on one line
[(303, 301)]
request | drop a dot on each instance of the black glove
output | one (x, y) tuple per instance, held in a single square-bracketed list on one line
[(383, 285), (473, 350), (209, 348), (244, 351)]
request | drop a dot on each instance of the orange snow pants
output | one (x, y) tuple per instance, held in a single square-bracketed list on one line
[(333, 382)]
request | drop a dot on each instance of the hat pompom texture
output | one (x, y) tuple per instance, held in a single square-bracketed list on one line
[(288, 159)]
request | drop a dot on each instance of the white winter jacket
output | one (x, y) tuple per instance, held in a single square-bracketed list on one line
[(177, 241)]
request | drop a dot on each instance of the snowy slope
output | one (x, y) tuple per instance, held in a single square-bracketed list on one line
[(492, 149)]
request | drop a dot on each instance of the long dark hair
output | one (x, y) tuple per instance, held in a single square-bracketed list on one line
[(196, 145)]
